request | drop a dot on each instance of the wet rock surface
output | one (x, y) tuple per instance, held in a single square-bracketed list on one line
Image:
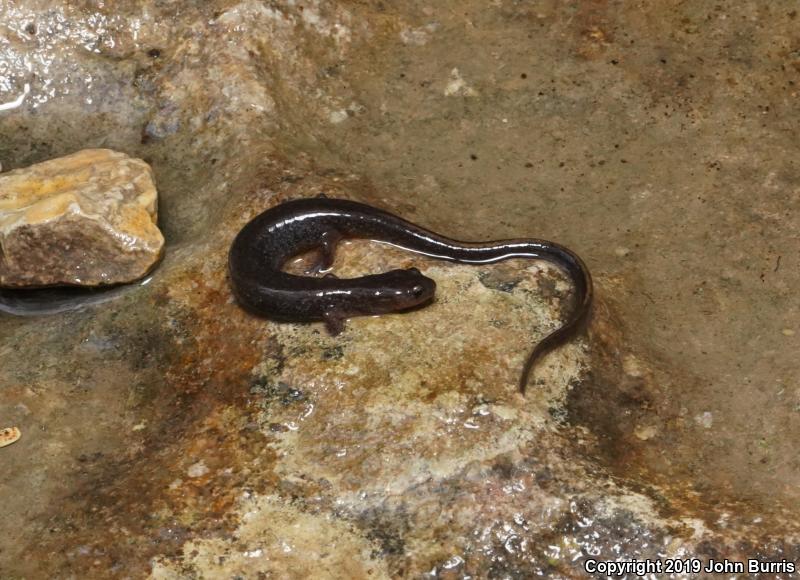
[(86, 219), (168, 433)]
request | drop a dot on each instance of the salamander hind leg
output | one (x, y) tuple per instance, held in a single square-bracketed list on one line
[(327, 252)]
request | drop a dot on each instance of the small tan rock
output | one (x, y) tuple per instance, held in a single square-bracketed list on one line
[(645, 432), (87, 219), (9, 435)]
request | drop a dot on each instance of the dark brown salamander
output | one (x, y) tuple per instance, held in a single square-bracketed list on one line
[(261, 249)]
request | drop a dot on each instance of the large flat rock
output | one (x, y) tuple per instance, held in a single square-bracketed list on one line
[(167, 433)]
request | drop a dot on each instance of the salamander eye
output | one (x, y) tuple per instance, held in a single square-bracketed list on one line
[(417, 290), (414, 270)]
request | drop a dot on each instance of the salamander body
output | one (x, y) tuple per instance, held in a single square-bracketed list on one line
[(266, 243)]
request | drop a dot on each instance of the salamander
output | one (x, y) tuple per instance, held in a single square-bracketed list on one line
[(262, 248)]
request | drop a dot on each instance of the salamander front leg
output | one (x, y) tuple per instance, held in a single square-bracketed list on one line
[(334, 322)]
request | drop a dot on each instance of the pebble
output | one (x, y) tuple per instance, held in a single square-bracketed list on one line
[(9, 435), (86, 219)]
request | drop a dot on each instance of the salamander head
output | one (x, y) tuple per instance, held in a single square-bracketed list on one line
[(401, 290)]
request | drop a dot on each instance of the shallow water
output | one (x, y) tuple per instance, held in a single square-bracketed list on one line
[(657, 141), (46, 301)]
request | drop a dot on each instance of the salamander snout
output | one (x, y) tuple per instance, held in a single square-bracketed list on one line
[(399, 290), (419, 289)]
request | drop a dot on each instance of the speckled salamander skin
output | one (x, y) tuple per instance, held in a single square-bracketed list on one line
[(263, 246)]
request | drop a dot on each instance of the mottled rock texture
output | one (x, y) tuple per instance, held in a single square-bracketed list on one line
[(168, 433), (86, 219)]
